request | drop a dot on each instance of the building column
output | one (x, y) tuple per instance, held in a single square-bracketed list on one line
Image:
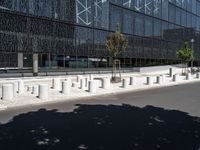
[(35, 64), (20, 60)]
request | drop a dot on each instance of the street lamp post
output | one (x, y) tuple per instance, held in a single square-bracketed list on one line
[(192, 46)]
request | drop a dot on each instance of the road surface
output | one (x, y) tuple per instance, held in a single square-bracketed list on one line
[(164, 118)]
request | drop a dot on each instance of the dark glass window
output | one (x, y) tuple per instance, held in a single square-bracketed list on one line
[(183, 18), (198, 24), (194, 6), (139, 24), (165, 9), (189, 5), (115, 18), (148, 26), (194, 21), (178, 16), (164, 28), (128, 22), (189, 19), (172, 13), (157, 27), (198, 8)]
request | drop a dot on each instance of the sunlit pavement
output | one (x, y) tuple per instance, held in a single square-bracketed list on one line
[(28, 99)]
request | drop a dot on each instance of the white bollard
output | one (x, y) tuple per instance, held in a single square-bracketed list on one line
[(170, 72), (57, 84), (35, 90), (7, 92), (86, 81), (66, 87), (125, 83), (106, 83), (163, 78), (43, 91), (91, 77), (198, 75), (149, 81), (132, 81), (29, 88), (92, 87), (188, 76), (75, 84), (159, 80), (21, 87), (175, 78), (82, 84), (15, 88), (78, 78)]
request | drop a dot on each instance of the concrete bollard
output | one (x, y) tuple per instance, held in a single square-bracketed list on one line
[(86, 81), (7, 92), (21, 87), (35, 90), (92, 86), (75, 84), (43, 91), (132, 81), (163, 78), (66, 87), (159, 80), (106, 83), (198, 75), (57, 84), (149, 81), (125, 83), (91, 77), (82, 84), (175, 78), (170, 72), (78, 78), (15, 88), (188, 76), (29, 88)]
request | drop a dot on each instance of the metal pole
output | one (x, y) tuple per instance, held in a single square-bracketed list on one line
[(192, 56), (192, 44)]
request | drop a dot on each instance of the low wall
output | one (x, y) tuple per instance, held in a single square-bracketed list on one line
[(155, 68)]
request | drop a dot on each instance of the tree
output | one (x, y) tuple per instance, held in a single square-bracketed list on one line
[(186, 55), (115, 44)]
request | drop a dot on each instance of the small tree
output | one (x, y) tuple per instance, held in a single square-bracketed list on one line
[(115, 44), (186, 55)]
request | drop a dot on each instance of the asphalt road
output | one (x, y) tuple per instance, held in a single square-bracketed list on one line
[(164, 118)]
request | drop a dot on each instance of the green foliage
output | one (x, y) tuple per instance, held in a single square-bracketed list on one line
[(185, 53), (116, 43)]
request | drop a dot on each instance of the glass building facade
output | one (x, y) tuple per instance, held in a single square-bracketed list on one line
[(72, 33)]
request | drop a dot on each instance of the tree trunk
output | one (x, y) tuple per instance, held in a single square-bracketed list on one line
[(114, 78)]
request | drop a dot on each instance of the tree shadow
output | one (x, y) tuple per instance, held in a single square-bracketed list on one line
[(101, 127)]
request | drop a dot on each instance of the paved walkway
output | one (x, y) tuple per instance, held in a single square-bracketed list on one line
[(77, 93)]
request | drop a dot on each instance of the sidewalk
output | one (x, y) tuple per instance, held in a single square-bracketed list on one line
[(76, 93)]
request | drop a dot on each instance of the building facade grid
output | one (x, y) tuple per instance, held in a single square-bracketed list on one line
[(72, 33)]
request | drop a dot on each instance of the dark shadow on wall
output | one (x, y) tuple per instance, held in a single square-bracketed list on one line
[(100, 127)]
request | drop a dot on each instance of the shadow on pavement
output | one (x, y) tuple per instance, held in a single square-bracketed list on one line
[(100, 127)]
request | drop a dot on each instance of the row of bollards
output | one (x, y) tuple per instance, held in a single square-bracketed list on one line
[(88, 83)]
